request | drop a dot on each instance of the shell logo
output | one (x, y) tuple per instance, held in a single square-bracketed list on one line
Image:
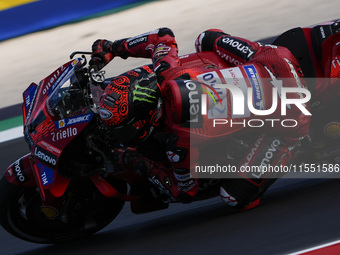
[(61, 123), (332, 129)]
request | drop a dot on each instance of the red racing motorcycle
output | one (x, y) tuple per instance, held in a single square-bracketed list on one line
[(67, 187)]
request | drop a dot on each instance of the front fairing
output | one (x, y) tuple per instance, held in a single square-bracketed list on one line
[(54, 114)]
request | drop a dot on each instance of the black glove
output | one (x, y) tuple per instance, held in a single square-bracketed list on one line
[(132, 160), (101, 53)]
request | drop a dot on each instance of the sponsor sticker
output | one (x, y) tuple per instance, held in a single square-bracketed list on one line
[(137, 40), (46, 174), (73, 120), (161, 51), (62, 134), (217, 110), (191, 103), (257, 86), (50, 147), (19, 172), (55, 79), (332, 129), (29, 95), (239, 48), (45, 156), (235, 77), (229, 76)]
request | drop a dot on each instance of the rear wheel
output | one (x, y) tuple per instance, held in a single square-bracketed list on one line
[(83, 213)]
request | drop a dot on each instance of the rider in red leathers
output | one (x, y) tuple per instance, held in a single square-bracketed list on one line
[(185, 132)]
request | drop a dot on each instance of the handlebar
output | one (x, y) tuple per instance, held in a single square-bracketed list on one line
[(80, 52), (97, 77)]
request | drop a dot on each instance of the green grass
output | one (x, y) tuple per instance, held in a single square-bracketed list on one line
[(11, 123)]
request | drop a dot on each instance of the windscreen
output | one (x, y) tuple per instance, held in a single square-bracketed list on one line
[(67, 98)]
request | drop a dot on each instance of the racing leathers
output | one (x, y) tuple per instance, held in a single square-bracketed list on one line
[(248, 138)]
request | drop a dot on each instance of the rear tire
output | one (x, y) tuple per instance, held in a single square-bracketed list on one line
[(20, 215)]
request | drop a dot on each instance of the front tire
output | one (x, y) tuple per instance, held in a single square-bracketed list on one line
[(21, 215)]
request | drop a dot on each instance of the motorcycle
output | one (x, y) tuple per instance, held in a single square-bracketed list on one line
[(67, 187)]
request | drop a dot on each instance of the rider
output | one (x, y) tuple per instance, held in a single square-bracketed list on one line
[(181, 132)]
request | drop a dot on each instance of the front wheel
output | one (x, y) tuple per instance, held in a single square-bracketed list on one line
[(21, 214)]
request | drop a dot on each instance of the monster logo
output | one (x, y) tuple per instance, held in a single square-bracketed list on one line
[(144, 94)]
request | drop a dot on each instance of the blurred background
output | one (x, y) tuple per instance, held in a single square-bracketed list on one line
[(74, 25)]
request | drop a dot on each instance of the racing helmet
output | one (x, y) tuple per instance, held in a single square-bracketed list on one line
[(131, 106)]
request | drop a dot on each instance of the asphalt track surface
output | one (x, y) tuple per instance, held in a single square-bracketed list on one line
[(295, 214)]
